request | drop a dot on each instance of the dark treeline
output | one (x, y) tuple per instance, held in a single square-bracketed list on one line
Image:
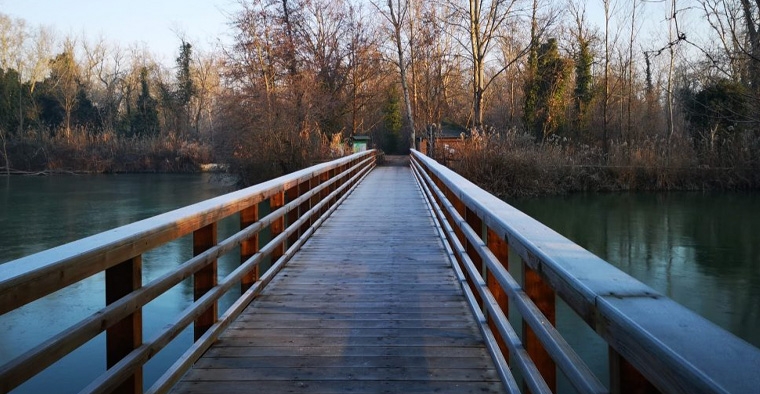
[(93, 106), (559, 95)]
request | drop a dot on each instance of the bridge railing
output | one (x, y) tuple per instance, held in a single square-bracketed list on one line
[(298, 202), (654, 344)]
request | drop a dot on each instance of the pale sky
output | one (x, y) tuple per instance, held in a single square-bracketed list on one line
[(126, 22)]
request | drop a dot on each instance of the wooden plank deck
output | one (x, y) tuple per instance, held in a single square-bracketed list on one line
[(369, 305)]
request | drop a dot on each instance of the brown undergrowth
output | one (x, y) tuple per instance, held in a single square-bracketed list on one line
[(513, 165), (79, 150)]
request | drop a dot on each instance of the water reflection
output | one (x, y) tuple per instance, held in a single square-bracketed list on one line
[(39, 213), (702, 250)]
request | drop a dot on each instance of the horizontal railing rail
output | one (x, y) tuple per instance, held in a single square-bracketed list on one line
[(298, 202), (654, 344)]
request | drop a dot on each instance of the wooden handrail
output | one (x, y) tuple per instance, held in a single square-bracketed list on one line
[(119, 251), (654, 343)]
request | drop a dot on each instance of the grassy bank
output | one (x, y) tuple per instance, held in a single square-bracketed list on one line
[(515, 166), (105, 152)]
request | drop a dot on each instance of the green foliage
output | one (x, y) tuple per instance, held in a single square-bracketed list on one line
[(9, 94), (583, 79), (545, 90), (392, 122), (717, 109), (531, 88), (85, 113), (186, 89), (145, 118)]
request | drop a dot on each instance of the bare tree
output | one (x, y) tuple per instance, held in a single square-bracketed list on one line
[(396, 14), (105, 70), (482, 21)]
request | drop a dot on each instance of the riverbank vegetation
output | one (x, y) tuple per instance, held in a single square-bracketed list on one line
[(558, 95)]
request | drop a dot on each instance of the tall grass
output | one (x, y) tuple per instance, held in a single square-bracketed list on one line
[(513, 165), (82, 150)]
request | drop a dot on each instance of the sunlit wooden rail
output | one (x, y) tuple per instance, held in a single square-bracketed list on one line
[(370, 304), (655, 344), (299, 203), (375, 298)]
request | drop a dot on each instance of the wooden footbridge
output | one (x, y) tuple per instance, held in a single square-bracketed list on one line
[(384, 279)]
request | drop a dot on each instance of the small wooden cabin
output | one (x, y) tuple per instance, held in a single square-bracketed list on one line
[(443, 142)]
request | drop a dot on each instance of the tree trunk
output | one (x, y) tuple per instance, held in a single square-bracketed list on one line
[(5, 152), (477, 64), (397, 21)]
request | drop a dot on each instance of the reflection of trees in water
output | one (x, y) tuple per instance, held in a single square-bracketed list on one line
[(702, 250), (730, 224)]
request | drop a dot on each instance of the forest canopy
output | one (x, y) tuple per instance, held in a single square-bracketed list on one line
[(609, 83)]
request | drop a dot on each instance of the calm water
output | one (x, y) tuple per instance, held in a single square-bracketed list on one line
[(37, 213), (702, 250)]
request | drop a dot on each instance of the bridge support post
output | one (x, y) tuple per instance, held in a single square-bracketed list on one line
[(292, 194), (278, 225), (476, 224), (305, 206), (543, 296), (205, 279), (324, 177), (500, 248), (126, 335), (314, 200), (625, 378), (250, 246)]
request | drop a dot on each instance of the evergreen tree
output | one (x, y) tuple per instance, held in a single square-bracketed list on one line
[(393, 122), (185, 87), (583, 79), (545, 91), (145, 120)]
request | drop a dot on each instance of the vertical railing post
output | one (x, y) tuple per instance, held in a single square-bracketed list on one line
[(205, 278), (250, 246), (500, 248), (324, 177), (303, 188), (126, 335), (625, 378), (543, 296), (314, 200), (292, 194), (333, 186), (476, 224), (278, 225)]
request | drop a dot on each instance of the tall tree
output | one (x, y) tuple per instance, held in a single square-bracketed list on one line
[(483, 19), (186, 89), (396, 14), (145, 121), (552, 76), (584, 61), (64, 77)]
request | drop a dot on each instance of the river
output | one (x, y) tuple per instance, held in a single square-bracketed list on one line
[(702, 250), (37, 213)]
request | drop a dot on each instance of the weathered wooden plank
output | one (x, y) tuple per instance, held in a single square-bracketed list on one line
[(231, 339), (312, 387), (431, 315), (369, 304), (273, 352), (351, 373), (341, 361), (273, 321)]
